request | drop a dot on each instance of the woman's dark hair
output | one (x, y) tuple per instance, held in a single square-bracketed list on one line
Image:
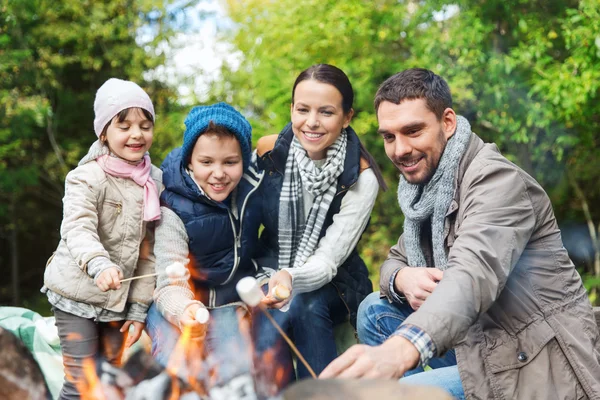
[(123, 114), (335, 77)]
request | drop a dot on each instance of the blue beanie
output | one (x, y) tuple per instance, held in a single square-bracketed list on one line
[(221, 114)]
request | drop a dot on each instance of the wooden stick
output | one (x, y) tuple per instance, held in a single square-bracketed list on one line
[(288, 340), (138, 277)]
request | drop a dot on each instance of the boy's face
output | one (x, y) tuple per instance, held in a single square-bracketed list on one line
[(131, 138), (217, 165)]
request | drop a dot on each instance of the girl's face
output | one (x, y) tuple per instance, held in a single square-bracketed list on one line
[(318, 117), (131, 138), (217, 165)]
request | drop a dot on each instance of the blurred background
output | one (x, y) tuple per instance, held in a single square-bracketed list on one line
[(525, 73)]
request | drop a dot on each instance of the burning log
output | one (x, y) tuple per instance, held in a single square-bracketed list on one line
[(20, 376), (329, 389), (251, 294)]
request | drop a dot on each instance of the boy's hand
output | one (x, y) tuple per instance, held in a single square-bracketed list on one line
[(132, 337), (188, 321), (109, 279), (282, 279)]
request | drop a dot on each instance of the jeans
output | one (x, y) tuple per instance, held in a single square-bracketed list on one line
[(378, 319), (310, 321), (84, 340)]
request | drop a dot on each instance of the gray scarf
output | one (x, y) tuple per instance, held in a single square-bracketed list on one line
[(298, 234), (421, 202)]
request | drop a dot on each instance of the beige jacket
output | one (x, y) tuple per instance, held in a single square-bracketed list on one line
[(511, 302), (103, 216)]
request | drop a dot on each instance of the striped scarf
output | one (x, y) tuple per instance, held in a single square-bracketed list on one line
[(299, 235)]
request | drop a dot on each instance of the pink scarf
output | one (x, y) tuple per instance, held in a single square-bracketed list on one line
[(140, 174)]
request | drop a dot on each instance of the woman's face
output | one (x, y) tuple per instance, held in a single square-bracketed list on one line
[(318, 117)]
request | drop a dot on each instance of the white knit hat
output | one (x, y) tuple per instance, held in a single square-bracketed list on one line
[(115, 96)]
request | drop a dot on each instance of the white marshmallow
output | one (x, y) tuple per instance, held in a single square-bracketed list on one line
[(202, 315), (249, 291), (176, 270), (280, 292)]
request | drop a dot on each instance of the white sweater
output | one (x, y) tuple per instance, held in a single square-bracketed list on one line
[(341, 236)]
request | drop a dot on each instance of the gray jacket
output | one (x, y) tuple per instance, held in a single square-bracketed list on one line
[(511, 302), (103, 217)]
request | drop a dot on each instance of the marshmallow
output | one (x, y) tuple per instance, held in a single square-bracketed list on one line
[(280, 292), (202, 315), (176, 270), (249, 291)]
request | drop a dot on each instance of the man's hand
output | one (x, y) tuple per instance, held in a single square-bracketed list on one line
[(187, 320), (132, 337), (110, 278), (281, 278), (389, 360), (417, 284)]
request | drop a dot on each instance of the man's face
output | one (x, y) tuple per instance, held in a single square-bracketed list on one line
[(414, 138)]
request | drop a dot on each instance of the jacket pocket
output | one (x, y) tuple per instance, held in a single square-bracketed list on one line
[(111, 227), (522, 363)]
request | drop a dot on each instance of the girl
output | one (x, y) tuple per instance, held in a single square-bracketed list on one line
[(319, 189), (110, 203)]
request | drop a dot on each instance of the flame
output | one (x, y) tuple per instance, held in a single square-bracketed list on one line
[(187, 363)]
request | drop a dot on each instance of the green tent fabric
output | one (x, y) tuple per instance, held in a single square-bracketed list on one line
[(38, 335)]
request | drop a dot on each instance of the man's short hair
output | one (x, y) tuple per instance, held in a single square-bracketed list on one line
[(416, 83)]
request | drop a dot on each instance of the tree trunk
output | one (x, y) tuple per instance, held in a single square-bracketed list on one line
[(591, 228), (13, 238)]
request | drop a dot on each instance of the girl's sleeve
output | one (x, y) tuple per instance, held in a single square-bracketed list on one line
[(172, 295), (79, 228), (140, 291), (341, 236)]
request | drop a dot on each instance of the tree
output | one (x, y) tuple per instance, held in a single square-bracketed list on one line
[(53, 57), (524, 73)]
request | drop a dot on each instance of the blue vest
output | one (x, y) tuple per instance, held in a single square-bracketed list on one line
[(352, 279), (222, 238)]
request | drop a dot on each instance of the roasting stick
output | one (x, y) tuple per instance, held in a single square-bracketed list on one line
[(250, 293), (175, 271), (133, 278)]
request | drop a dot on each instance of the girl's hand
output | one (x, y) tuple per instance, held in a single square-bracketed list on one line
[(282, 280), (132, 337), (110, 278)]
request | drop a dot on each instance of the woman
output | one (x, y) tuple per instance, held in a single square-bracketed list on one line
[(318, 190)]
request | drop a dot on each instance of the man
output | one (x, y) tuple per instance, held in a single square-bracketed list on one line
[(480, 263)]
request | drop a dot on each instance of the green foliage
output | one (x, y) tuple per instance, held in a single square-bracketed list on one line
[(526, 74), (53, 57)]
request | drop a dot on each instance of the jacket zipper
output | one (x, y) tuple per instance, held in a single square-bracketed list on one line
[(117, 205), (238, 235)]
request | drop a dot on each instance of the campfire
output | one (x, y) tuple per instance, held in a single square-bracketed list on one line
[(190, 374)]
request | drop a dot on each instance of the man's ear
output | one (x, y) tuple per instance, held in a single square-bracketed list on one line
[(448, 122)]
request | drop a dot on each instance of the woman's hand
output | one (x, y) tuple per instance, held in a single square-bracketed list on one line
[(280, 288), (110, 278), (134, 336)]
